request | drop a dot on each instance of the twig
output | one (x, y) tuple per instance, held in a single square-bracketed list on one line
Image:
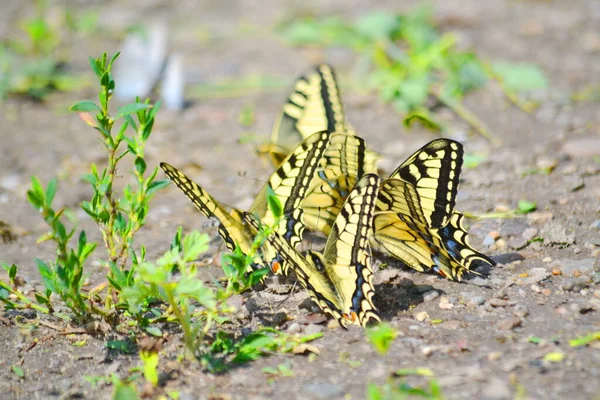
[(463, 112)]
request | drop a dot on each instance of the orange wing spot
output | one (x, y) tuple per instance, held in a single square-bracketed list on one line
[(352, 317), (275, 266)]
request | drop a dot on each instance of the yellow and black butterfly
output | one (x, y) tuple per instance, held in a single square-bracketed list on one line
[(415, 219), (289, 183), (314, 105), (339, 280)]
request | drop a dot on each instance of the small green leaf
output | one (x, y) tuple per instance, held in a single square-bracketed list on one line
[(131, 109), (124, 391), (585, 340), (85, 106), (157, 185), (381, 337), (521, 77), (472, 160), (154, 331), (150, 360), (18, 371), (534, 339), (50, 192), (140, 165), (525, 207), (554, 357)]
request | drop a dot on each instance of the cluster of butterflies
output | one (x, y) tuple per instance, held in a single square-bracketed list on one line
[(326, 181)]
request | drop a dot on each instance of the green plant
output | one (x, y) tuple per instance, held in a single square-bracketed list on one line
[(398, 389), (410, 63), (34, 65)]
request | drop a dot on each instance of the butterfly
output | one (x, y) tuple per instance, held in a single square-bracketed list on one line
[(340, 279), (289, 183), (314, 105)]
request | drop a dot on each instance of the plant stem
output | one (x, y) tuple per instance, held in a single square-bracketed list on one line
[(463, 112)]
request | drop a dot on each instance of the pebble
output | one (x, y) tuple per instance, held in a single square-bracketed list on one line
[(596, 278), (479, 281), (422, 289), (431, 295), (510, 323), (451, 324), (280, 318), (556, 271), (476, 300), (498, 303), (517, 243), (535, 288), (488, 241), (582, 147), (500, 244), (535, 275), (557, 234), (595, 225), (427, 351), (422, 316), (496, 389), (573, 285), (508, 258), (322, 390), (520, 311), (294, 328), (445, 303), (529, 233), (539, 217), (569, 267), (494, 234), (547, 259), (312, 329), (494, 356)]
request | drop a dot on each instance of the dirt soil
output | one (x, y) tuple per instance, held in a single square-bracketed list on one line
[(474, 335)]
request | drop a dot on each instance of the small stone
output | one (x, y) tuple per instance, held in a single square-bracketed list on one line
[(494, 234), (582, 147), (451, 324), (280, 318), (547, 259), (597, 293), (558, 234), (479, 281), (294, 328), (596, 278), (414, 327), (568, 267), (430, 296), (500, 244), (494, 356), (510, 323), (488, 241), (576, 250), (539, 217), (556, 271), (312, 329), (573, 285), (422, 316), (595, 225), (322, 390), (496, 389), (508, 258), (517, 243), (445, 303), (476, 301), (421, 289), (529, 233), (498, 303), (427, 351), (535, 288), (520, 311)]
